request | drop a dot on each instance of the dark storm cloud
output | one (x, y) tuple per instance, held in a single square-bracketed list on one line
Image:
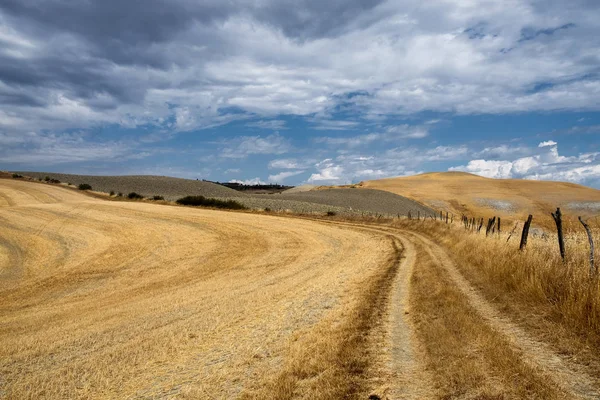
[(85, 40)]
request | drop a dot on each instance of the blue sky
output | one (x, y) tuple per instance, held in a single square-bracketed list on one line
[(305, 91)]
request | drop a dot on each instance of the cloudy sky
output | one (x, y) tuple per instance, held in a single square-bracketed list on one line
[(301, 91)]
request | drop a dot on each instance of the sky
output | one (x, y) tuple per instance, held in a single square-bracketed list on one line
[(302, 91)]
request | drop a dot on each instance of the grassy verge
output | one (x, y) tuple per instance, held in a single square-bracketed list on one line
[(467, 357), (557, 302)]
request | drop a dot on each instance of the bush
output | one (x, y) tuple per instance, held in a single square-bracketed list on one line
[(52, 180), (112, 193), (331, 213), (207, 202), (158, 198), (268, 209), (47, 178), (85, 186), (119, 194), (16, 176), (134, 196)]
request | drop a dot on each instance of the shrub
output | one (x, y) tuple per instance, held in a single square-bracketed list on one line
[(16, 176), (85, 186), (331, 213), (119, 194), (268, 209), (207, 202), (157, 197), (47, 178), (112, 193), (134, 196), (52, 180)]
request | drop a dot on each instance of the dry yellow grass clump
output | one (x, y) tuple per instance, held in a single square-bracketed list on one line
[(127, 299)]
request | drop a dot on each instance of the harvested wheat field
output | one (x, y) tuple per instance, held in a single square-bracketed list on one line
[(464, 193), (114, 300), (129, 299)]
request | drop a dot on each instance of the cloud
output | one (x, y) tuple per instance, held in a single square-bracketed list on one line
[(253, 181), (183, 66), (280, 177), (50, 149), (273, 124), (548, 165), (244, 146), (390, 134), (328, 172)]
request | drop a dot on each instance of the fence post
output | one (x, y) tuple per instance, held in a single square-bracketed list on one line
[(561, 240), (498, 226), (418, 215), (591, 240), (513, 231), (525, 232)]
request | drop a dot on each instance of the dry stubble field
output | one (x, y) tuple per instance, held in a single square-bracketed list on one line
[(115, 300), (102, 299)]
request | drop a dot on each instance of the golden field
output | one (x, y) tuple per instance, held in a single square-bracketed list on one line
[(134, 299), (476, 196)]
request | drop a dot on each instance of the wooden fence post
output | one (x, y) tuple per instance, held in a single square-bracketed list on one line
[(480, 225), (561, 240), (446, 216), (591, 240), (511, 232), (418, 215), (525, 232), (498, 226)]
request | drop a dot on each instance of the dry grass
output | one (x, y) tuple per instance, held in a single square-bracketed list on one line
[(467, 357), (556, 301), (131, 299), (463, 193)]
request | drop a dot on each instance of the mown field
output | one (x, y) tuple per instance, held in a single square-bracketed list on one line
[(134, 299)]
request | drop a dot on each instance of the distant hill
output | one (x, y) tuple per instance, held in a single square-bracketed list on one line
[(461, 192), (146, 185)]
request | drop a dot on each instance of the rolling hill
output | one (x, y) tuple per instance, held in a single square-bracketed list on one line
[(464, 193)]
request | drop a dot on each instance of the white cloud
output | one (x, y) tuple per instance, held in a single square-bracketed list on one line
[(280, 177), (547, 143), (253, 181), (548, 165)]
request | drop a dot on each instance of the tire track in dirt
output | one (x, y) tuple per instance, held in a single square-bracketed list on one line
[(568, 376), (409, 377)]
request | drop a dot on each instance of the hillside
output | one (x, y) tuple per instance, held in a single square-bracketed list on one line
[(147, 185), (463, 193)]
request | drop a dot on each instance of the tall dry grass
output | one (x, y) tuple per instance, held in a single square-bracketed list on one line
[(535, 284)]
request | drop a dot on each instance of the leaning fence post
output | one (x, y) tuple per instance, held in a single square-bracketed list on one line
[(591, 240), (561, 240), (525, 232), (513, 231), (498, 226)]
